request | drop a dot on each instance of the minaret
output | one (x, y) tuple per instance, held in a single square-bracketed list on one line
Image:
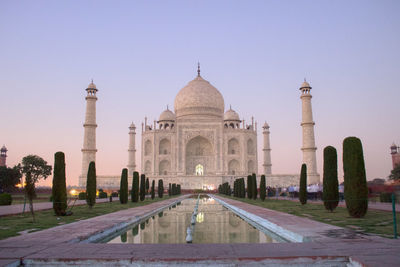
[(395, 152), (3, 156), (266, 150), (131, 150), (307, 123), (89, 139)]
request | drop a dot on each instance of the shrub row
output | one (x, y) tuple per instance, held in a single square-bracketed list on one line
[(174, 189), (5, 199), (225, 189)]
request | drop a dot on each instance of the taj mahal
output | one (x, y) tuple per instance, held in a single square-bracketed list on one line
[(200, 145)]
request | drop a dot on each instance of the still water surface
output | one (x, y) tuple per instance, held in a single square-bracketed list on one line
[(214, 224)]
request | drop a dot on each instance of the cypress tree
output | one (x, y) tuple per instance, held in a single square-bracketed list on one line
[(147, 186), (124, 237), (153, 193), (239, 186), (303, 185), (59, 190), (173, 189), (254, 191), (355, 181), (142, 187), (123, 188), (262, 188), (242, 188), (91, 185), (330, 179), (249, 187), (135, 187), (160, 188), (169, 189)]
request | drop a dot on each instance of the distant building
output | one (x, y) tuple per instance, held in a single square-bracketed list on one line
[(3, 156), (395, 151)]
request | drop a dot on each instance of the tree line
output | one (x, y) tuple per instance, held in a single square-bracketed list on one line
[(355, 182)]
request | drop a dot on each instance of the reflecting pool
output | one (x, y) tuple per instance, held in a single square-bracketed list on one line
[(214, 224)]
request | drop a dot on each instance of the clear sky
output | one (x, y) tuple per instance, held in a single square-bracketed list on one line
[(141, 53)]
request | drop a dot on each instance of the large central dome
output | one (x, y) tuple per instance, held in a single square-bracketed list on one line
[(199, 98)]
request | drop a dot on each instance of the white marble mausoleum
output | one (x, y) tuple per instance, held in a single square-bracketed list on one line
[(199, 144)]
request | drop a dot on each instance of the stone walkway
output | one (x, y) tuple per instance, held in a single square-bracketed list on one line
[(330, 245), (18, 208)]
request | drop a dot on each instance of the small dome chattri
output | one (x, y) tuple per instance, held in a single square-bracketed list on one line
[(167, 115), (231, 115), (92, 85), (305, 84), (265, 126), (4, 149)]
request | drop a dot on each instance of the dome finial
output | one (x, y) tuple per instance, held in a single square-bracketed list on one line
[(230, 106), (92, 80), (167, 107), (198, 69)]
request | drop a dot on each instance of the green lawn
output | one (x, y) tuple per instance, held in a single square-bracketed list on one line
[(375, 222), (11, 225)]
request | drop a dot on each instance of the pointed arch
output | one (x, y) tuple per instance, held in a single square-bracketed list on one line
[(233, 167), (164, 147), (250, 147), (148, 147), (233, 146)]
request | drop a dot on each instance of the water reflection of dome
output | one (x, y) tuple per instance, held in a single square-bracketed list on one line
[(164, 223), (234, 221)]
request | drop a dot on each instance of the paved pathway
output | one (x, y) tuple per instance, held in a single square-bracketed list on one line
[(61, 245), (18, 208)]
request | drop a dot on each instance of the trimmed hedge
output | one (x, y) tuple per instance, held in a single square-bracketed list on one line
[(91, 185), (135, 187), (160, 188), (59, 188), (385, 197), (82, 196), (153, 193), (330, 193), (262, 188), (5, 199), (254, 186), (249, 187), (303, 185), (142, 187), (123, 187), (355, 181), (103, 194)]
